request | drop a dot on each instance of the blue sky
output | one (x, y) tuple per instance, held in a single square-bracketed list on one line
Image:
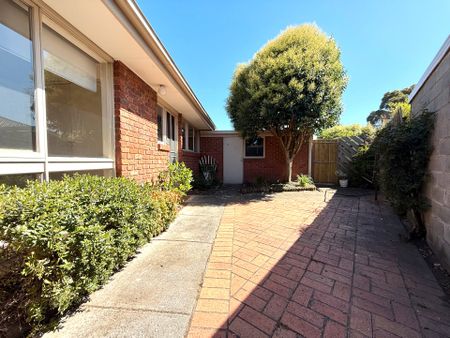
[(385, 44)]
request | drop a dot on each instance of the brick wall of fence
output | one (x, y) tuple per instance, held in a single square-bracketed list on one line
[(435, 97)]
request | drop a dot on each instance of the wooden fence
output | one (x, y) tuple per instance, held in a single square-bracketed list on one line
[(324, 159), (331, 155)]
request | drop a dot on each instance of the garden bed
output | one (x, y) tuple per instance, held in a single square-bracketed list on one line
[(276, 187)]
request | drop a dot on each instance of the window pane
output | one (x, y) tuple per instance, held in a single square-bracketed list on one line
[(160, 123), (73, 99), (17, 117), (19, 180), (254, 147), (191, 138), (172, 127)]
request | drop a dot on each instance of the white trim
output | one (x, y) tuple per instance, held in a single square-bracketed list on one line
[(437, 59), (218, 133), (77, 166), (256, 157), (25, 168)]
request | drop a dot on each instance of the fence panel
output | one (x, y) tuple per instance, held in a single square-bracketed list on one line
[(324, 161)]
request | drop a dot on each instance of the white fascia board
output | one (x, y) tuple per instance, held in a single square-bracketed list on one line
[(437, 59)]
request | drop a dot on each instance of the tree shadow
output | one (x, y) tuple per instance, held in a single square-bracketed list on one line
[(302, 266)]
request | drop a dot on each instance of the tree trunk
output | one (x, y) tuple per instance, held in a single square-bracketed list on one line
[(289, 162)]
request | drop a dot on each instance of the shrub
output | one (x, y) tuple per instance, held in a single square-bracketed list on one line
[(366, 132), (177, 178), (403, 154), (304, 180), (362, 166), (65, 238)]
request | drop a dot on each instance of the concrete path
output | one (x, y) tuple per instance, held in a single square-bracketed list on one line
[(155, 294), (293, 265)]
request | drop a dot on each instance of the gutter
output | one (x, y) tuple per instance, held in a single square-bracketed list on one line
[(133, 13), (436, 61)]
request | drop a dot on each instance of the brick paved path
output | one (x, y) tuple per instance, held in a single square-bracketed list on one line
[(292, 265)]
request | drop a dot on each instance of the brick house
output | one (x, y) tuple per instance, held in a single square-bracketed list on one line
[(432, 93), (87, 86)]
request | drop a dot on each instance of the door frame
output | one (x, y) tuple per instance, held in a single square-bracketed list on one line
[(239, 162)]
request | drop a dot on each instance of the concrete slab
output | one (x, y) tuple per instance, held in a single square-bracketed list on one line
[(193, 228), (165, 277), (105, 322), (155, 294)]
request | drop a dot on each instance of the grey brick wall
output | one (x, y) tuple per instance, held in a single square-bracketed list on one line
[(435, 97)]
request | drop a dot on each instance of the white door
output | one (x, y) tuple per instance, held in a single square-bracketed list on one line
[(233, 160)]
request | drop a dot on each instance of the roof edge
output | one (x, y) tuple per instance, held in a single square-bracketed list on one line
[(137, 18), (436, 61)]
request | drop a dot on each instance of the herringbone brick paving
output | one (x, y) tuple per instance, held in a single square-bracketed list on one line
[(292, 265)]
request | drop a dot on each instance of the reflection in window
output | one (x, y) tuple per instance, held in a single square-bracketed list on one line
[(17, 118), (160, 122), (73, 99), (191, 138), (254, 147)]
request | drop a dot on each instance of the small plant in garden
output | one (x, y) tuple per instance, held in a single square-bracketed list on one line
[(304, 180), (177, 178)]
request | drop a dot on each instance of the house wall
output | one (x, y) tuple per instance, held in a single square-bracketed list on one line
[(272, 167), (136, 131), (435, 97)]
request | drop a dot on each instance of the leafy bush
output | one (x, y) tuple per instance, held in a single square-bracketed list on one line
[(60, 241), (304, 180), (350, 130), (403, 154), (177, 178), (362, 166)]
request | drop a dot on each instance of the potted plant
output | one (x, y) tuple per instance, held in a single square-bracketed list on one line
[(343, 178)]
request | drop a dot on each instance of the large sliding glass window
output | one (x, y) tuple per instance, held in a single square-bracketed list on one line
[(73, 99), (55, 97), (17, 117)]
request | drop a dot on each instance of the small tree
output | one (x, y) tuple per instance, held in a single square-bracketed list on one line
[(292, 88)]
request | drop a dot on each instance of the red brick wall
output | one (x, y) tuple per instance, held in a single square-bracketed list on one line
[(137, 154), (273, 166), (213, 146), (191, 161)]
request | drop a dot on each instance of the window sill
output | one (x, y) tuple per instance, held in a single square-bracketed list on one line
[(163, 147), (254, 157), (191, 151)]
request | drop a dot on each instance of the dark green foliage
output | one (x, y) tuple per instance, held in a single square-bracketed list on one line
[(361, 170), (403, 154), (65, 238), (388, 106)]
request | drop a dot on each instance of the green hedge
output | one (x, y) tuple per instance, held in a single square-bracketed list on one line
[(63, 239)]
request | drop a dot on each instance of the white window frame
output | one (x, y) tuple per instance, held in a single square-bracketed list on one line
[(13, 161), (165, 137), (196, 148), (256, 157)]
